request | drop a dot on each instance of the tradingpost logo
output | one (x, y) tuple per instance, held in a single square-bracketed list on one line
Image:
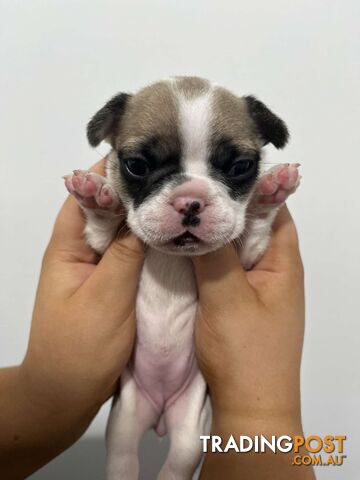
[(325, 450)]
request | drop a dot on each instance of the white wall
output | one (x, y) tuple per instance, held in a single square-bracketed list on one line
[(60, 60)]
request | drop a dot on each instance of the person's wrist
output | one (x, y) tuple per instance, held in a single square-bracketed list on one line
[(34, 430), (237, 420), (235, 406), (241, 399), (47, 406)]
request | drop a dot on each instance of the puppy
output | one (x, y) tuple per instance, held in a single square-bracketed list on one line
[(186, 165)]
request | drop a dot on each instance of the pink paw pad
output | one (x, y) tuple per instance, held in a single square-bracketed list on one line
[(278, 183), (90, 189)]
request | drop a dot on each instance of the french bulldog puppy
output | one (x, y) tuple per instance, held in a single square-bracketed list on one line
[(186, 166)]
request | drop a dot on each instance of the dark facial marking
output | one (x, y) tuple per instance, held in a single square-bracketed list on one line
[(236, 167), (162, 165), (191, 218)]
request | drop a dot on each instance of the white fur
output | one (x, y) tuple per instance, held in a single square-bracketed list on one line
[(194, 120)]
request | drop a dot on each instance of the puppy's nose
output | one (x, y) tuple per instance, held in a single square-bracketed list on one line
[(188, 205), (190, 199)]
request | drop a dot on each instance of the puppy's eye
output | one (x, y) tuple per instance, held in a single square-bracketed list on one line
[(240, 168), (137, 166)]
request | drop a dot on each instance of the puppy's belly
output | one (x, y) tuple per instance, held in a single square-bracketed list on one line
[(164, 360)]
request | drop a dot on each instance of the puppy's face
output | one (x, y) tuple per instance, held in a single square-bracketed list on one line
[(185, 159)]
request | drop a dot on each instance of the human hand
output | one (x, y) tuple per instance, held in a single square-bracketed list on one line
[(83, 324), (249, 327), (249, 335), (81, 337)]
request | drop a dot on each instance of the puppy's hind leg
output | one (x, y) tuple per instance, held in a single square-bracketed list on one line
[(131, 416), (272, 190), (186, 419)]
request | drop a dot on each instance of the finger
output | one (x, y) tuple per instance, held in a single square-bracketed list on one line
[(67, 241), (68, 234), (116, 277), (220, 277), (283, 251)]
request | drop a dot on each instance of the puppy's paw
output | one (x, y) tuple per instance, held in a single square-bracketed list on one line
[(278, 183), (91, 190)]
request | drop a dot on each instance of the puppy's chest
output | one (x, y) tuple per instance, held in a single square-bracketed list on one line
[(166, 304)]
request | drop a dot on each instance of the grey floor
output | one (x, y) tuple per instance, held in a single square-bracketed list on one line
[(86, 460)]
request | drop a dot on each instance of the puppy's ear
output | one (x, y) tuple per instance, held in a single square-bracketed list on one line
[(271, 128), (104, 122)]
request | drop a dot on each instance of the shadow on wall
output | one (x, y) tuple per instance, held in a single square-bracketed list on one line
[(86, 460)]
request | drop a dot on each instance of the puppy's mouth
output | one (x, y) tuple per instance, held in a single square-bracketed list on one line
[(186, 239), (186, 244)]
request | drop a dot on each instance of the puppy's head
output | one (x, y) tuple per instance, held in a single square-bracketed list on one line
[(186, 156)]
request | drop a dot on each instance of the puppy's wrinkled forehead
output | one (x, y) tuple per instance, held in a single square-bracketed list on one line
[(187, 116)]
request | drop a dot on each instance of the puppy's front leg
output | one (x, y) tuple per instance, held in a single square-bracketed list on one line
[(100, 204), (272, 190)]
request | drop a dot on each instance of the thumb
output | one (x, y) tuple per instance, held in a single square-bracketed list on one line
[(220, 278), (116, 277)]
